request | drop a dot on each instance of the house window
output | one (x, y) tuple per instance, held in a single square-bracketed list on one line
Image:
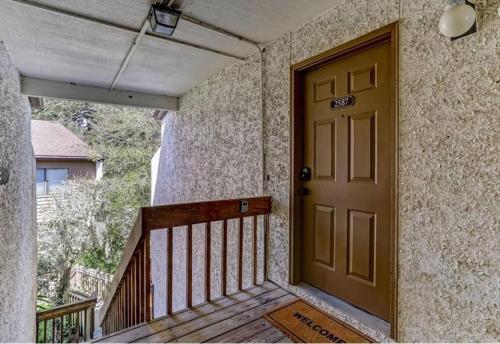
[(50, 180)]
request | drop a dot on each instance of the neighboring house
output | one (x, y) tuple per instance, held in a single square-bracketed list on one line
[(60, 156)]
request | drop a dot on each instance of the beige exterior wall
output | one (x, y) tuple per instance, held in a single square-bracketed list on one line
[(448, 159), (46, 204), (77, 169), (17, 211)]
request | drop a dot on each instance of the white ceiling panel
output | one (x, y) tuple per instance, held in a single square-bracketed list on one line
[(166, 69), (56, 47), (259, 20), (124, 12)]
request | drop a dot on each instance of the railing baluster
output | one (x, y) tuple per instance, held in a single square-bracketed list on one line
[(144, 298), (125, 301), (147, 276), (130, 294), (54, 330), (266, 239), (224, 259), (77, 323), (254, 250), (62, 329), (141, 286), (45, 331), (110, 317), (208, 261), (85, 325), (119, 310), (122, 303), (134, 295), (170, 249), (240, 255), (127, 298), (116, 310), (189, 266)]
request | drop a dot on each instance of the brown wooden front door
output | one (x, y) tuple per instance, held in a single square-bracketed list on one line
[(347, 210)]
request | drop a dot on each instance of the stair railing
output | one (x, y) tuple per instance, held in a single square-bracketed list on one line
[(69, 323), (129, 300)]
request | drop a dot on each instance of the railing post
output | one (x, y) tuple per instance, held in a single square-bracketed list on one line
[(88, 324)]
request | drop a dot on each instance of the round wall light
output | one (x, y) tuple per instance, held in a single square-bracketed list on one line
[(458, 20)]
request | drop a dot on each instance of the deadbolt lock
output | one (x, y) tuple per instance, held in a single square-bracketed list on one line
[(305, 174)]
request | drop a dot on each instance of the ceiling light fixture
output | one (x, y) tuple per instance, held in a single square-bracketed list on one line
[(458, 20), (163, 20)]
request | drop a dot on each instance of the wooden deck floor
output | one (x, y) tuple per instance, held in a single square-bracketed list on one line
[(236, 318)]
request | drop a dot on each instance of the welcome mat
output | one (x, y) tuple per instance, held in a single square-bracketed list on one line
[(303, 323)]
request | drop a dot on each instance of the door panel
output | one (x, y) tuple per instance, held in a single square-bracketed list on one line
[(361, 245), (362, 147), (346, 215), (324, 235), (324, 149)]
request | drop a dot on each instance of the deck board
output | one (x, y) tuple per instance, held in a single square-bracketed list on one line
[(234, 321), (271, 335), (144, 330), (242, 333), (236, 318)]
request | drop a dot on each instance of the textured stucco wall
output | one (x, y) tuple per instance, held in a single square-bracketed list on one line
[(211, 149), (448, 169), (17, 215)]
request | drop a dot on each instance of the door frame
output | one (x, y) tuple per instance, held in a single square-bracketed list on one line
[(388, 33)]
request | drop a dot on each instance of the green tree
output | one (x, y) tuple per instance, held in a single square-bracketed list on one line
[(126, 138)]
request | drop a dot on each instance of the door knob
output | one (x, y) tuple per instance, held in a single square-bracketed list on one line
[(303, 191)]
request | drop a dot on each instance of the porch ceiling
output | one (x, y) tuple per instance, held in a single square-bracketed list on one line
[(53, 46)]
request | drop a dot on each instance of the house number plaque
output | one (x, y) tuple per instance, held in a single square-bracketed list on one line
[(342, 102)]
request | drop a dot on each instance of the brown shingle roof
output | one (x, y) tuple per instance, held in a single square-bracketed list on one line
[(51, 139)]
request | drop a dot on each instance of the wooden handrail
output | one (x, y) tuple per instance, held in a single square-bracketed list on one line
[(72, 322), (128, 300), (59, 311)]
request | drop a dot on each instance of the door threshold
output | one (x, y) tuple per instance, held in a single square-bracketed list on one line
[(367, 323)]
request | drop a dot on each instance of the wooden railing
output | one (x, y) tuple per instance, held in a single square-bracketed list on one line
[(70, 323), (74, 296), (89, 281), (130, 298)]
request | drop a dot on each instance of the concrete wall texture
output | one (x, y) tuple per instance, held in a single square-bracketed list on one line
[(17, 214), (448, 169)]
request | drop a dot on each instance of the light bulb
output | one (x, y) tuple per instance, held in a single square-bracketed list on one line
[(457, 20)]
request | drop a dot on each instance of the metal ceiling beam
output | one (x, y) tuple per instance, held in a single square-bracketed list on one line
[(130, 53), (123, 27), (218, 29), (66, 90)]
